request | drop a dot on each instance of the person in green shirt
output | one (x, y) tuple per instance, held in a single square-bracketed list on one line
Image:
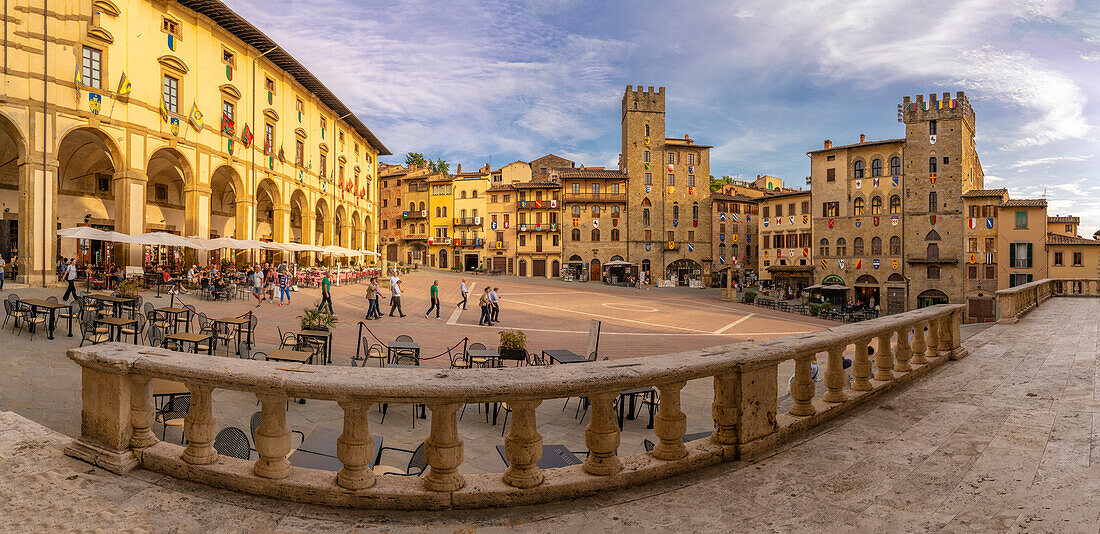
[(326, 294), (435, 300)]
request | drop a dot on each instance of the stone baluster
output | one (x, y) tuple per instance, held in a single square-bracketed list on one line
[(200, 427), (861, 367), (835, 377), (355, 447), (802, 387), (601, 436), (884, 359), (443, 449), (523, 446), (724, 409), (272, 438), (141, 412), (670, 423), (918, 344), (902, 352), (933, 340), (945, 335)]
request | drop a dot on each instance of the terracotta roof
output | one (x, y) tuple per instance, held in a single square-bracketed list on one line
[(537, 185), (736, 198), (1067, 219), (501, 187), (233, 23), (1059, 239), (785, 194), (1025, 203), (983, 193), (853, 145), (590, 173)]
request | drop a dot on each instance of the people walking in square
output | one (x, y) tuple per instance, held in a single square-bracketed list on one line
[(494, 304), (486, 316), (70, 278), (258, 285), (461, 287), (372, 298), (272, 281), (284, 287), (395, 296), (326, 294), (3, 267), (433, 294)]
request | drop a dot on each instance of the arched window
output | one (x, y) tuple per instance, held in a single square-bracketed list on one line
[(423, 228), (645, 216), (895, 246), (895, 166), (859, 206), (933, 252), (474, 193), (695, 211), (576, 210), (876, 205), (721, 249), (422, 208), (412, 206), (876, 167), (675, 210), (932, 236), (733, 250), (614, 234), (932, 202), (614, 212), (647, 130), (823, 250), (595, 234), (575, 235), (595, 210), (933, 272), (462, 194), (895, 204), (876, 246), (857, 246), (857, 169), (645, 201), (444, 211), (841, 246), (932, 164)]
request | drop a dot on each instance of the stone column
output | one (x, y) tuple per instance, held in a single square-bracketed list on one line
[(835, 377), (802, 387), (196, 221), (745, 406), (903, 352), (129, 191), (280, 231), (523, 446), (601, 436), (932, 340), (944, 323), (355, 447), (954, 327), (309, 222), (200, 427), (443, 450), (724, 408), (670, 423), (37, 218), (884, 359), (141, 412), (105, 427), (244, 221), (861, 367), (919, 347), (273, 438)]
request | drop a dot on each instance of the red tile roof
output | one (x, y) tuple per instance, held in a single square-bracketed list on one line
[(982, 193), (1059, 239), (1025, 203)]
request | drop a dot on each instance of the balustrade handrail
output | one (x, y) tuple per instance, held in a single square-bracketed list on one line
[(1016, 301)]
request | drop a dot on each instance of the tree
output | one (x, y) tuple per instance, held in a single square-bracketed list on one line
[(413, 159), (440, 166), (718, 183)]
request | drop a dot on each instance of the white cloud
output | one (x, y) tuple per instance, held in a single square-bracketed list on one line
[(1047, 161)]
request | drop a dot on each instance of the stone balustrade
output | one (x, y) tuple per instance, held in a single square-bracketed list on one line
[(1015, 302), (117, 413)]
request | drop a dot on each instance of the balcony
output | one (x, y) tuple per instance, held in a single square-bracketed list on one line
[(471, 242), (537, 204), (416, 214), (538, 227), (415, 237), (467, 221), (498, 245), (930, 260), (594, 197)]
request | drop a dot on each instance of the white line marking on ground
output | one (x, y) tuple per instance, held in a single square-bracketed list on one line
[(605, 333), (629, 307), (733, 324), (458, 311), (612, 318)]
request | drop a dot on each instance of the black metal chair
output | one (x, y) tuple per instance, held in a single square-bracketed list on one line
[(244, 352), (397, 354), (480, 362), (232, 441), (137, 329), (173, 414), (286, 339), (89, 332), (418, 463)]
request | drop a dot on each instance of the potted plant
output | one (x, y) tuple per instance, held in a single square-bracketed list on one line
[(749, 297), (513, 345), (317, 318), (128, 288)]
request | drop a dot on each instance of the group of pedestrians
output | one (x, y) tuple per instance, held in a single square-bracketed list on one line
[(267, 280), (489, 302), (490, 307)]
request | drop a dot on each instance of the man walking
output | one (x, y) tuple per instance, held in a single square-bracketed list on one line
[(372, 299), (326, 294), (433, 294), (258, 285), (70, 277), (461, 287), (486, 317), (395, 295), (284, 287), (494, 304)]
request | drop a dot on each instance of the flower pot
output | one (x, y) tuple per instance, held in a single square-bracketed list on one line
[(512, 354)]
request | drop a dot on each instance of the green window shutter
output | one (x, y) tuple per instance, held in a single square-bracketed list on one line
[(1012, 254), (1029, 278), (1029, 259)]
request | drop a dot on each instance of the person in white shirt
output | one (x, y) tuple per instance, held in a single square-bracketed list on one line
[(461, 287), (70, 277), (494, 304), (395, 296)]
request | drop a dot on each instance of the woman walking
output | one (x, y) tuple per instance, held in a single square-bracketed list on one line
[(486, 318), (372, 299), (284, 288)]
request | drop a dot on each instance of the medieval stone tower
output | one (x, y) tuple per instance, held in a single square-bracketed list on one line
[(668, 191), (940, 163)]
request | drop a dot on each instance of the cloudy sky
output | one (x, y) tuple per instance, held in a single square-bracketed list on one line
[(761, 81)]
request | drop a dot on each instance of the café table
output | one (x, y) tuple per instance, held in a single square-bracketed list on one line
[(194, 338), (563, 356), (394, 347), (238, 324), (115, 302), (488, 355), (632, 395), (168, 388), (115, 324), (35, 304), (324, 336), (171, 314), (552, 456), (291, 356)]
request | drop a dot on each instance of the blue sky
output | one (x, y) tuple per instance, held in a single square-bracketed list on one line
[(761, 81)]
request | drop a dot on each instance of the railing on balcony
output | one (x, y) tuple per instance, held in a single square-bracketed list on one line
[(1015, 302), (594, 197), (537, 204), (415, 214), (467, 221), (415, 237), (118, 413), (538, 227), (475, 242)]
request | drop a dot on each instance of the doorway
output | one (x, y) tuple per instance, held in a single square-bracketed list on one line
[(471, 262), (594, 270)]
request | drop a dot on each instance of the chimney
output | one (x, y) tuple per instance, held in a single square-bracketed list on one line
[(862, 138), (459, 171), (828, 143)]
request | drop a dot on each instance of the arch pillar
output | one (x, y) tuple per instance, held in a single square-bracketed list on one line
[(37, 219), (243, 222), (196, 220), (130, 191), (281, 231), (309, 229)]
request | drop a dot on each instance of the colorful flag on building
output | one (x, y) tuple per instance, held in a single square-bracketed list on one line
[(124, 86), (227, 124), (195, 116), (247, 137), (95, 102)]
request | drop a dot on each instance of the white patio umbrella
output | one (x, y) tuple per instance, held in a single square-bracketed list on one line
[(164, 238)]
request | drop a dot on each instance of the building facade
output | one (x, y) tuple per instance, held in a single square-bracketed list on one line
[(593, 203), (734, 239), (182, 117), (983, 226), (470, 209), (785, 227)]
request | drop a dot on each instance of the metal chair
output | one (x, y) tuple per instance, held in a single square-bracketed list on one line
[(418, 463), (89, 332), (136, 329), (173, 414), (245, 352), (286, 338), (232, 441), (481, 362), (399, 353)]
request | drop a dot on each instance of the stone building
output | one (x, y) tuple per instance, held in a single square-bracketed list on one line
[(734, 239), (501, 243), (668, 210), (538, 229), (183, 117), (470, 209), (593, 203), (785, 228), (1063, 225), (1021, 240), (415, 225), (981, 262)]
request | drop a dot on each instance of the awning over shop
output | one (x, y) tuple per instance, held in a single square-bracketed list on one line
[(197, 243)]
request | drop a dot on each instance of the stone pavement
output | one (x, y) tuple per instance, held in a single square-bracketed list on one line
[(1007, 439)]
